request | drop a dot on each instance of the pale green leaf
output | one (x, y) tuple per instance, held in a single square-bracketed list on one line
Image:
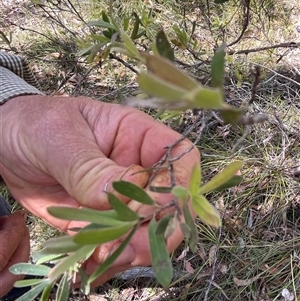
[(105, 218), (46, 292), (217, 68), (63, 288), (28, 282), (29, 269), (181, 192), (129, 45), (207, 213), (165, 70), (60, 245), (34, 292), (125, 213), (206, 98), (161, 261), (155, 86), (163, 224), (109, 261), (195, 179), (193, 238), (186, 230), (232, 115), (234, 181), (222, 177), (99, 236), (82, 254), (133, 192)]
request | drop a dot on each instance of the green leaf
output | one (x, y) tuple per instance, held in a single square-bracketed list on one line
[(217, 68), (109, 261), (46, 292), (222, 177), (231, 115), (28, 282), (171, 227), (163, 46), (63, 289), (102, 24), (60, 245), (51, 257), (195, 179), (125, 213), (82, 254), (207, 213), (133, 192), (99, 236), (105, 17), (169, 73), (85, 287), (135, 26), (34, 292), (181, 192), (206, 98), (160, 189), (193, 239), (105, 218), (157, 87), (220, 1), (162, 224), (126, 23), (29, 269), (129, 45), (186, 230), (234, 181), (161, 261)]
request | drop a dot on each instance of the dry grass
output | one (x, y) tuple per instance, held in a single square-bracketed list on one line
[(256, 253)]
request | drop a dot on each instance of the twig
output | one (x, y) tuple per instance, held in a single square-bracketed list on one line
[(112, 56), (281, 45), (246, 7)]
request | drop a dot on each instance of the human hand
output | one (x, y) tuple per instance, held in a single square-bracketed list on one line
[(14, 248), (66, 151)]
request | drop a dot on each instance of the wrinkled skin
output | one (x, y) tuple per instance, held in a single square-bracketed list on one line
[(14, 247), (62, 151)]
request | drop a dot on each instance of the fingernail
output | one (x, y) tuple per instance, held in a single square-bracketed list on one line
[(24, 215), (126, 257)]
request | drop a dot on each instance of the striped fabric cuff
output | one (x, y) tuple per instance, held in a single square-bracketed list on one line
[(16, 78)]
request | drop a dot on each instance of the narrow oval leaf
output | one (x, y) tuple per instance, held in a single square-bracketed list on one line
[(157, 87), (195, 179), (164, 47), (234, 181), (232, 115), (186, 230), (106, 218), (181, 192), (222, 177), (51, 257), (160, 189), (60, 245), (46, 292), (129, 45), (28, 282), (133, 192), (109, 261), (102, 24), (207, 98), (34, 292), (162, 224), (82, 254), (193, 240), (63, 289), (29, 269), (217, 68), (171, 227), (99, 236), (125, 213), (207, 213), (168, 72), (161, 261)]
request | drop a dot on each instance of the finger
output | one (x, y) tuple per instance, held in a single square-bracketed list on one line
[(12, 232), (21, 254)]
